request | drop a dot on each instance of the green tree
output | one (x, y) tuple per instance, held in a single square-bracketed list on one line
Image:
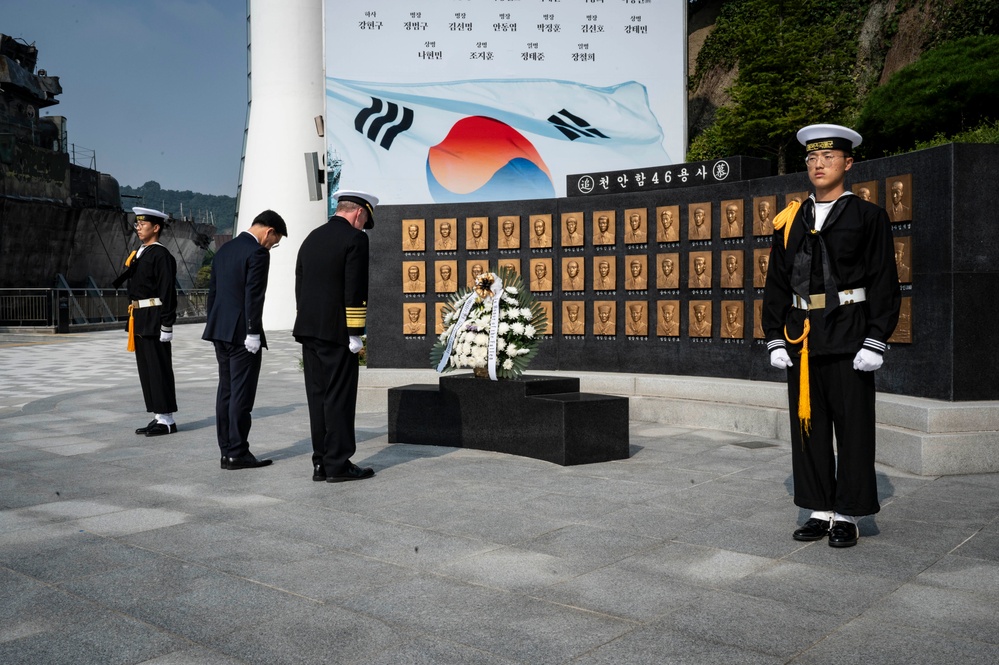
[(795, 64), (950, 89)]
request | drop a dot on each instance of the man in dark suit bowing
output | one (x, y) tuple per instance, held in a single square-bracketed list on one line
[(331, 292), (235, 326)]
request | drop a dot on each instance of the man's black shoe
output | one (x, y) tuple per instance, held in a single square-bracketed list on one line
[(843, 534), (318, 473), (143, 430), (159, 429), (353, 472), (223, 462), (814, 529), (247, 461)]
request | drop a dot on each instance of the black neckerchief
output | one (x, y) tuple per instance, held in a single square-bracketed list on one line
[(802, 269)]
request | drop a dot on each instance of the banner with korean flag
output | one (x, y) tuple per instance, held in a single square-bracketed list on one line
[(486, 140)]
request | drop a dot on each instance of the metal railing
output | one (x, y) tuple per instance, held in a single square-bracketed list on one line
[(63, 309)]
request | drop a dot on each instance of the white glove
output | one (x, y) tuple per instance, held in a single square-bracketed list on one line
[(867, 360), (252, 343), (355, 344), (779, 358), (166, 336)]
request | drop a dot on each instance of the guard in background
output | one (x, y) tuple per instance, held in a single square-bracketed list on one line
[(832, 299), (151, 272), (235, 326), (331, 293)]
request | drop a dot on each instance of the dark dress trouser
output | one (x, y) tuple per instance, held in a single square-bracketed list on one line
[(842, 480), (154, 362), (239, 371), (331, 374)]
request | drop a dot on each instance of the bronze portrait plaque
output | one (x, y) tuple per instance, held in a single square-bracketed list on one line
[(573, 274), (668, 224), (476, 233), (604, 317), (509, 231), (732, 219), (474, 269), (638, 318), (903, 331), (668, 275), (636, 233), (732, 319), (604, 273), (699, 274), (899, 203), (573, 317), (794, 196), (446, 235), (441, 309), (414, 277), (603, 227), (541, 231), (732, 273), (546, 328), (699, 221), (764, 209), (509, 264), (572, 229), (903, 259), (668, 318), (761, 264), (413, 235), (541, 275), (445, 276), (700, 319), (867, 191), (758, 319), (637, 277), (414, 320)]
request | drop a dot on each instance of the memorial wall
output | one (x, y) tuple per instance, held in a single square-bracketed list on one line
[(661, 270)]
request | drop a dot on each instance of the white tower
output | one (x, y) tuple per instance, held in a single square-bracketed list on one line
[(284, 150)]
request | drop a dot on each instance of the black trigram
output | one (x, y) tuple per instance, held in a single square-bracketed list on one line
[(578, 129), (385, 116)]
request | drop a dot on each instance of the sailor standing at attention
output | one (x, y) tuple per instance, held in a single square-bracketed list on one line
[(832, 299), (151, 272)]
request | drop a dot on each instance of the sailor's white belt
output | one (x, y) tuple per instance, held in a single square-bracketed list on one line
[(147, 302), (818, 300)]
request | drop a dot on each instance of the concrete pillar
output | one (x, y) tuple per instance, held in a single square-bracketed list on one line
[(287, 90)]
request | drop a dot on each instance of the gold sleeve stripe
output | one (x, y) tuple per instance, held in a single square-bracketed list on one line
[(357, 317)]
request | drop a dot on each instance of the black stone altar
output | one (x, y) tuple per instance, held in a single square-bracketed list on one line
[(543, 417)]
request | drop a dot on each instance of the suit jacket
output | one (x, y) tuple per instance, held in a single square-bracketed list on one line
[(153, 274), (331, 283), (236, 291)]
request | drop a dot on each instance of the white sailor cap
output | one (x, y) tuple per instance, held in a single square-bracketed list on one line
[(828, 137), (150, 215), (369, 201)]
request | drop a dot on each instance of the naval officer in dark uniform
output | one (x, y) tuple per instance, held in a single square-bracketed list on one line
[(831, 302), (151, 272), (331, 293), (235, 326)]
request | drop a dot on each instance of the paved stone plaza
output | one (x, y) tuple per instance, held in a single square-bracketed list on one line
[(119, 549)]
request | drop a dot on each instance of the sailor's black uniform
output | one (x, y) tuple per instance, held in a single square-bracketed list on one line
[(850, 263)]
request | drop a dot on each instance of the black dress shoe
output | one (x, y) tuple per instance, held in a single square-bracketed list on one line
[(247, 461), (223, 462), (353, 472), (814, 529), (318, 473), (843, 534), (143, 430), (159, 429)]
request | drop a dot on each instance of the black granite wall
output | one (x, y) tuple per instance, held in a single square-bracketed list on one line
[(953, 255)]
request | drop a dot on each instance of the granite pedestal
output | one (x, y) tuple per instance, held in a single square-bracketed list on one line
[(544, 417)]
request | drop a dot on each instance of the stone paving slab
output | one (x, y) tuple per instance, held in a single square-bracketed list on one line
[(115, 548)]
